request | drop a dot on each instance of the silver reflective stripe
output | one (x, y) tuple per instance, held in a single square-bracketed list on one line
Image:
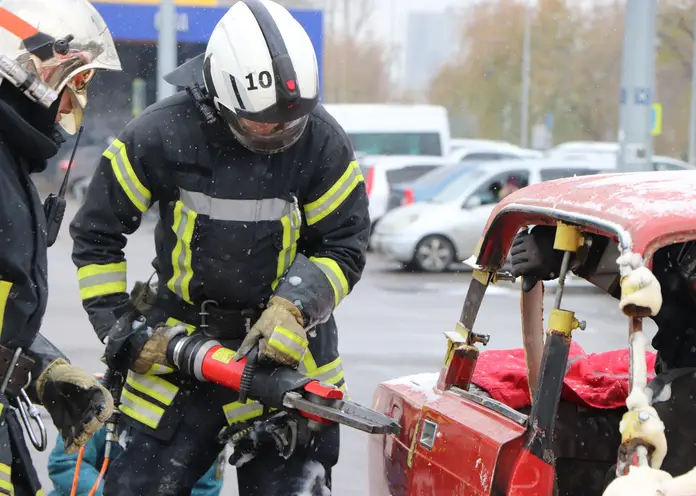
[(332, 373), (154, 387), (6, 478), (287, 343), (182, 271), (105, 278), (141, 410), (238, 412), (330, 203), (333, 278), (115, 150), (289, 254), (269, 209)]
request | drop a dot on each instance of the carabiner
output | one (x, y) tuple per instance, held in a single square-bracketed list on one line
[(24, 404)]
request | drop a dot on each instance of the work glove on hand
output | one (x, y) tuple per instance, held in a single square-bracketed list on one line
[(279, 332), (533, 257), (155, 350), (78, 404)]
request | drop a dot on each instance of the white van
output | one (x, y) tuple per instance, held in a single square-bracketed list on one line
[(384, 129)]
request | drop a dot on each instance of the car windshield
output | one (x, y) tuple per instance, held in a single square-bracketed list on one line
[(458, 185), (441, 174), (397, 143)]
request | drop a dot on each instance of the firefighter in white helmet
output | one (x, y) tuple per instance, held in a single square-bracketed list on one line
[(49, 52), (263, 231)]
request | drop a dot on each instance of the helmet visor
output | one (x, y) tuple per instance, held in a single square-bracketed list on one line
[(265, 137)]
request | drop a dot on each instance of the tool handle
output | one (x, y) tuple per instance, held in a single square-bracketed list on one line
[(248, 374)]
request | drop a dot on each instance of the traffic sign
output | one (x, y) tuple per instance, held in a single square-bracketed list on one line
[(656, 121)]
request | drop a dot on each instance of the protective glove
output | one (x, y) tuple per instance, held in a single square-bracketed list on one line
[(77, 403), (154, 352), (279, 332), (533, 257)]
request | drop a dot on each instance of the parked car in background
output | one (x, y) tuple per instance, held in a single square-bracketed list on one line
[(427, 186), (432, 235), (584, 148), (388, 129), (383, 171), (459, 143), (660, 162), (478, 152)]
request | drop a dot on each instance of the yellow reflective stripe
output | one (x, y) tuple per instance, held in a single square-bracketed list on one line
[(153, 386), (307, 365), (39, 492), (331, 373), (143, 411), (288, 342), (335, 275), (5, 288), (184, 223), (102, 279), (241, 412), (332, 199), (6, 479), (138, 194), (171, 321), (291, 233)]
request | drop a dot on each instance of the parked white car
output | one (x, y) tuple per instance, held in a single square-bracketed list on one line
[(660, 162), (382, 171), (432, 236), (483, 150)]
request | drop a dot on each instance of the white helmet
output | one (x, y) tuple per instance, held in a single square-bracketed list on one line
[(46, 46), (261, 72)]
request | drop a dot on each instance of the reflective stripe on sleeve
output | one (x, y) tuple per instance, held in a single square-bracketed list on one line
[(332, 199), (241, 412), (288, 342), (5, 288), (183, 226), (138, 194), (335, 275), (100, 280), (331, 373), (6, 479), (141, 410), (153, 386)]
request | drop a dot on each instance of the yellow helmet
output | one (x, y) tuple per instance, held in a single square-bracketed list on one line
[(47, 46)]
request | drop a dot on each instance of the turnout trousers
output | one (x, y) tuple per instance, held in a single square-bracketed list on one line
[(170, 439)]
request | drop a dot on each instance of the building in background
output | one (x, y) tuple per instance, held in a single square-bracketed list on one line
[(432, 40)]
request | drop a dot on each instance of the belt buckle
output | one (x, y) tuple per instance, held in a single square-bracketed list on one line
[(204, 313)]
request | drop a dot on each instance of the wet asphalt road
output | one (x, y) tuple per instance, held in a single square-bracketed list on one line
[(391, 325)]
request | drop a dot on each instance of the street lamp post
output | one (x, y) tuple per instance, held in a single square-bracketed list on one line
[(692, 116), (637, 87), (166, 47), (524, 99)]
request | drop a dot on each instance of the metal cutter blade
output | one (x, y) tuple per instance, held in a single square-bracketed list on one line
[(347, 413)]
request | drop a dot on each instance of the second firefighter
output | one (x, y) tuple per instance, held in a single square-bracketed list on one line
[(263, 231)]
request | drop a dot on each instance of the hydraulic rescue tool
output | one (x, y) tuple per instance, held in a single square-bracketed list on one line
[(276, 387), (296, 405)]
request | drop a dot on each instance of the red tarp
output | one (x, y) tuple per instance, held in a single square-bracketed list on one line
[(599, 380)]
